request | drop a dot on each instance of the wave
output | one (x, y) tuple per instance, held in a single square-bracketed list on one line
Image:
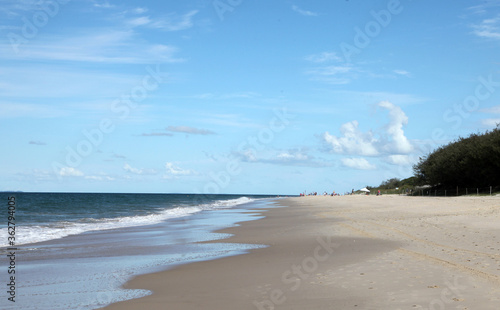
[(40, 233)]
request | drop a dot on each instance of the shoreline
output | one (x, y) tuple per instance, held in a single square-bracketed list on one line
[(87, 271), (352, 252)]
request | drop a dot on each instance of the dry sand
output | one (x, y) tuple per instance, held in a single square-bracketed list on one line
[(351, 252)]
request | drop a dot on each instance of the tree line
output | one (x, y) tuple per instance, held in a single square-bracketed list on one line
[(473, 161)]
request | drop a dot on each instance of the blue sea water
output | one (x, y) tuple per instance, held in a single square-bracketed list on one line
[(76, 250)]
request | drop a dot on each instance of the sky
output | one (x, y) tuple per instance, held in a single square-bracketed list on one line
[(238, 96)]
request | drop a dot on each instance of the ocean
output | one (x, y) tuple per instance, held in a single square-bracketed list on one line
[(76, 250)]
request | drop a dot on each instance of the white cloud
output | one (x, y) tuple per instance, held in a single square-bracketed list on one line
[(332, 74), (398, 142), (104, 5), (391, 142), (357, 163), (139, 21), (402, 72), (173, 171), (247, 156), (289, 156), (334, 70), (296, 157), (226, 96), (17, 8), (303, 12), (140, 10), (493, 110), (352, 141), (133, 170), (157, 134), (84, 91), (175, 23), (488, 28), (99, 178), (190, 130), (399, 160), (70, 172), (491, 122), (484, 7), (12, 110), (101, 46), (323, 57)]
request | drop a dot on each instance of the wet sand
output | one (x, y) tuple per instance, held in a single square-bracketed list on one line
[(351, 252)]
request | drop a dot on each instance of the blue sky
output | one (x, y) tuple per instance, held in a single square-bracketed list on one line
[(238, 96)]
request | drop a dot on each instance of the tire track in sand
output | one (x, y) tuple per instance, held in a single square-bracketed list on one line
[(447, 262)]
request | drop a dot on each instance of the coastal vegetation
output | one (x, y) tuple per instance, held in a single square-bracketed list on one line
[(466, 164), (472, 161)]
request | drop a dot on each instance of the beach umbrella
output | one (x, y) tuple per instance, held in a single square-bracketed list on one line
[(366, 190)]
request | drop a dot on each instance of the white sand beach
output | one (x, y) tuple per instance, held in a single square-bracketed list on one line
[(350, 252)]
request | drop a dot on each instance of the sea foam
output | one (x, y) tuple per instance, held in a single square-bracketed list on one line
[(57, 230)]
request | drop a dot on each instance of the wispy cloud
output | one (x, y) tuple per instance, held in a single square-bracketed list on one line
[(402, 72), (173, 22), (118, 156), (493, 110), (14, 110), (323, 57), (399, 160), (494, 121), (304, 12), (70, 172), (15, 8), (139, 21), (138, 171), (40, 143), (174, 171), (99, 178), (190, 130), (227, 96), (103, 4), (357, 163), (170, 23), (491, 122), (290, 157), (140, 10), (488, 28), (484, 6), (84, 90), (101, 46), (342, 74), (157, 134)]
